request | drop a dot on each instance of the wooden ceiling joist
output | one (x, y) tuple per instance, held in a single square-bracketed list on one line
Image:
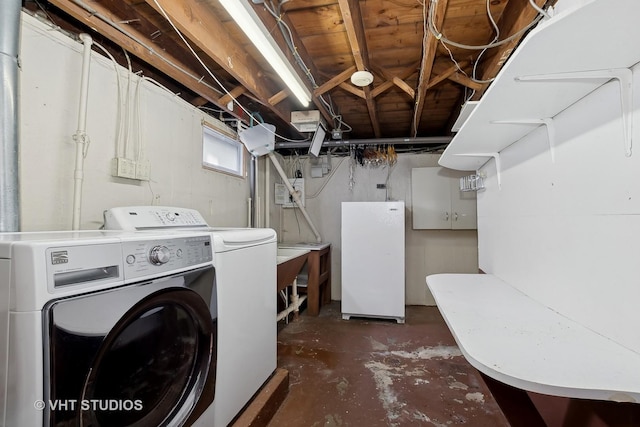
[(131, 40), (232, 95), (352, 18), (428, 57), (445, 74), (334, 81), (300, 50), (395, 80), (205, 30)]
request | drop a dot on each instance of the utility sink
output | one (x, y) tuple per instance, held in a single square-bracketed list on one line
[(286, 254), (290, 262)]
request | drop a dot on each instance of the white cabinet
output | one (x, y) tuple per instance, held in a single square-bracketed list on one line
[(438, 202)]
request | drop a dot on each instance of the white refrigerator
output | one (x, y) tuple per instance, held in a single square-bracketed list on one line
[(373, 260)]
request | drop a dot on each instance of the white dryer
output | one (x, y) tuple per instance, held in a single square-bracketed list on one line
[(245, 261), (106, 328)]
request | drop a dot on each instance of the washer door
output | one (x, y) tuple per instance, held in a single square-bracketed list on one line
[(155, 366)]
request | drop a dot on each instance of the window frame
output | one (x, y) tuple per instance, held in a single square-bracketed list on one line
[(217, 136)]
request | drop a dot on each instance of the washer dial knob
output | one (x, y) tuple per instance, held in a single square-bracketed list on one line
[(159, 255)]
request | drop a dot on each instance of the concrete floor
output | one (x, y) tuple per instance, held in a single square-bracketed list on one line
[(367, 372)]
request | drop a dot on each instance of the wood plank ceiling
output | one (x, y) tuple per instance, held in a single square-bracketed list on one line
[(420, 81)]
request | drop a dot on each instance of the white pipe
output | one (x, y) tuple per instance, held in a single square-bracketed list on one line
[(257, 201), (9, 116), (249, 207), (81, 139), (267, 194), (294, 306), (295, 195)]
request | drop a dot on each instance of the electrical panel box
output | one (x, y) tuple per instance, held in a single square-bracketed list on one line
[(282, 193)]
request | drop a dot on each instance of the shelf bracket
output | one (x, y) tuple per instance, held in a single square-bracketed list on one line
[(624, 76), (496, 157), (547, 122)]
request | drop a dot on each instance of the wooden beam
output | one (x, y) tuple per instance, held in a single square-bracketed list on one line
[(352, 18), (131, 42), (466, 81), (354, 25), (428, 56), (517, 15), (404, 86), (352, 89), (391, 80), (444, 75), (334, 81), (199, 23), (278, 97), (233, 94)]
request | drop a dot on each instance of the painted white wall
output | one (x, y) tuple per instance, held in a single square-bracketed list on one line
[(567, 232), (427, 251), (170, 130)]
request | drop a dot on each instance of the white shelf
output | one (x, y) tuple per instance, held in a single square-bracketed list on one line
[(510, 337), (549, 72)]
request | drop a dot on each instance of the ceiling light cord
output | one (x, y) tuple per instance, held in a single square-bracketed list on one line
[(539, 9), (477, 61), (436, 33)]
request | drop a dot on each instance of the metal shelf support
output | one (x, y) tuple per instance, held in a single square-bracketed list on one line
[(624, 76)]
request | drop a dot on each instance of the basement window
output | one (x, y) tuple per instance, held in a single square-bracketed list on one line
[(221, 153)]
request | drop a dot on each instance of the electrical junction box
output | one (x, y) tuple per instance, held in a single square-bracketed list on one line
[(305, 121), (123, 168), (282, 193), (143, 170)]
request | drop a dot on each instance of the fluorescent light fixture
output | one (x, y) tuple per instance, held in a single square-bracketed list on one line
[(247, 19)]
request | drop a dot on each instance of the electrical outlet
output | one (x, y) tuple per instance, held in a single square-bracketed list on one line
[(143, 170), (123, 168)]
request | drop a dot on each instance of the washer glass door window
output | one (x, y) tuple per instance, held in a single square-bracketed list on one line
[(142, 355)]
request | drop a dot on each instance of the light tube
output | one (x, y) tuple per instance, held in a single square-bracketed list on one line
[(250, 23)]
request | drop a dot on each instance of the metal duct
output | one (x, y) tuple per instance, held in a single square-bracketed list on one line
[(434, 140), (9, 180)]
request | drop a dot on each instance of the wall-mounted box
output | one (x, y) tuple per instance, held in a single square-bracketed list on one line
[(282, 196), (305, 121)]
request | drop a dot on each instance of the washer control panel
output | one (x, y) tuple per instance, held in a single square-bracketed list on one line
[(152, 217), (150, 257)]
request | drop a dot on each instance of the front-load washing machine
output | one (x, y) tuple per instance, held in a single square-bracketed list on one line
[(245, 270), (106, 329)]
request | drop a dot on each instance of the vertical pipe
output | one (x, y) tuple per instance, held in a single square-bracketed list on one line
[(267, 194), (80, 136), (9, 141), (295, 195), (257, 220), (252, 191)]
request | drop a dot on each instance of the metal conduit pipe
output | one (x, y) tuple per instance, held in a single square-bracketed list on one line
[(9, 142), (80, 137), (295, 195), (435, 140)]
